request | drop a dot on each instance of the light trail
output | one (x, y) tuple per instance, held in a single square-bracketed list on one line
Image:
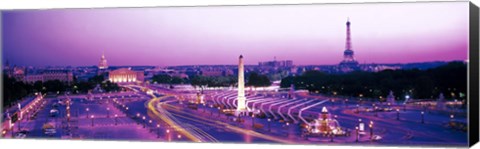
[(166, 119), (190, 128), (217, 123)]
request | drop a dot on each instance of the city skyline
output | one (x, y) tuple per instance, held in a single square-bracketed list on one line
[(333, 74), (181, 36)]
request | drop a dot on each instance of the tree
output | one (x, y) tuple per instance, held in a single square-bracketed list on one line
[(167, 79), (449, 79), (257, 80), (200, 81)]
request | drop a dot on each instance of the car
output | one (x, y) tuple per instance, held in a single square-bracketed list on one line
[(21, 135), (376, 138), (54, 112), (50, 131)]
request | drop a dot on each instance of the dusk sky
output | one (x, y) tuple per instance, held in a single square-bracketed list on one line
[(306, 34)]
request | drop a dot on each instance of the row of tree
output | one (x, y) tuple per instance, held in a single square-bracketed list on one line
[(449, 79), (253, 79), (15, 90)]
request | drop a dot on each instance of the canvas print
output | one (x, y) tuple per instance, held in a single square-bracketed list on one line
[(323, 74)]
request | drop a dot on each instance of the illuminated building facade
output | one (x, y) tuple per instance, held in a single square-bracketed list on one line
[(125, 75), (49, 75)]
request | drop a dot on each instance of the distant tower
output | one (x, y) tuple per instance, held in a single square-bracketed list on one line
[(241, 107), (349, 63), (103, 62)]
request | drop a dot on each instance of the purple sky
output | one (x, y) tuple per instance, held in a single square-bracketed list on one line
[(306, 34)]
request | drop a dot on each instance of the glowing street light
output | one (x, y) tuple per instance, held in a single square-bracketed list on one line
[(150, 123), (158, 130), (168, 135), (138, 117), (143, 121), (451, 118), (398, 114), (253, 120), (269, 120), (422, 113), (371, 129), (12, 127), (108, 112), (405, 104), (91, 117), (356, 134), (116, 116), (88, 113)]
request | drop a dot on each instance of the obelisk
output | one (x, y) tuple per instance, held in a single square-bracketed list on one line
[(241, 108)]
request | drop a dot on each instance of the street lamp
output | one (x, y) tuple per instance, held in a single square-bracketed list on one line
[(211, 113), (423, 121), (204, 107), (168, 135), (269, 120), (88, 113), (253, 120), (138, 117), (108, 112), (356, 134), (179, 136), (91, 117), (143, 121), (158, 130), (451, 118), (12, 128), (371, 129), (375, 110), (116, 116), (398, 114), (150, 123)]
